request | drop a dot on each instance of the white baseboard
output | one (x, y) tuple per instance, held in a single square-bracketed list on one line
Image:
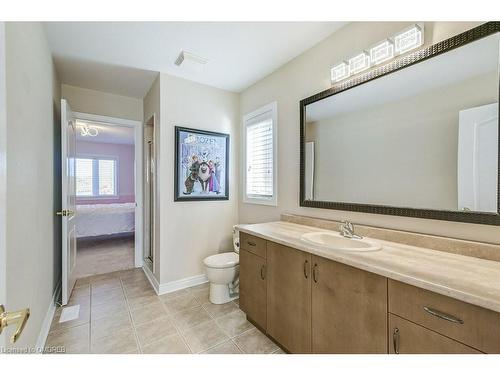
[(187, 282), (172, 286), (47, 321)]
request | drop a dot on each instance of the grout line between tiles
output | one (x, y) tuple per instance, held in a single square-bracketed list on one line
[(136, 337)]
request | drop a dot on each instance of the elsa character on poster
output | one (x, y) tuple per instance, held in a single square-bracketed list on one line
[(214, 182)]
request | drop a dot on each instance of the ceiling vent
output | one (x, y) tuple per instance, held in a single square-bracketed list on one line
[(190, 61)]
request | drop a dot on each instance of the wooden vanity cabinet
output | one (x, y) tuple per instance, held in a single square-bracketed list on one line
[(349, 309), (289, 297), (253, 287)]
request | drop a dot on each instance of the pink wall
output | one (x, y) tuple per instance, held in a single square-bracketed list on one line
[(126, 157)]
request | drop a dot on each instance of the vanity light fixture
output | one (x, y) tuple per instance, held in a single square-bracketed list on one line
[(408, 39), (359, 62), (339, 72), (381, 52)]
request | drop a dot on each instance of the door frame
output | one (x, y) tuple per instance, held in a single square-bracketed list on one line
[(138, 173), (3, 176)]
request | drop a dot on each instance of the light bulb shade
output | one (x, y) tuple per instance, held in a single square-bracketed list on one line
[(409, 39), (359, 62), (340, 72), (381, 52)]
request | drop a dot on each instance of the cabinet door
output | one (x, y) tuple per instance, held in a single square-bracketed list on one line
[(289, 297), (349, 309), (406, 337), (253, 287)]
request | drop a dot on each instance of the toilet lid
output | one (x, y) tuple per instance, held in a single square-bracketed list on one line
[(224, 260)]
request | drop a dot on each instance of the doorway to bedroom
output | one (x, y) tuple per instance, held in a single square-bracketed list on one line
[(106, 194)]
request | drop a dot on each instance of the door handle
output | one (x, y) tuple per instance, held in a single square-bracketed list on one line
[(306, 268), (395, 340), (65, 213), (17, 317), (263, 272), (315, 273)]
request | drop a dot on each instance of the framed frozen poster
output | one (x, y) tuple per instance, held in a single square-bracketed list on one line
[(201, 165)]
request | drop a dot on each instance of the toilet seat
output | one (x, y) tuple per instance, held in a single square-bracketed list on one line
[(223, 260)]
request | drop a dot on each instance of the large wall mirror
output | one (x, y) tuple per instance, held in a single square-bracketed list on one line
[(418, 137)]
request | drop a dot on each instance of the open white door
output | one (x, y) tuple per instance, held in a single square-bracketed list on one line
[(68, 208), (478, 159)]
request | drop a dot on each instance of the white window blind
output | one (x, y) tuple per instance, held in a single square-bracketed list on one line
[(259, 168), (95, 177), (260, 155), (84, 177), (107, 177)]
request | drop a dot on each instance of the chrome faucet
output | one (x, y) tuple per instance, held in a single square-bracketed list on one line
[(347, 230)]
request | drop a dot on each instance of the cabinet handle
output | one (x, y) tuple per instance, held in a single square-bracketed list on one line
[(442, 315), (263, 272), (306, 268), (395, 340), (315, 273), (250, 243)]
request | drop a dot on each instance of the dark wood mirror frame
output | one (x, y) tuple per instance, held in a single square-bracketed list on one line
[(459, 40)]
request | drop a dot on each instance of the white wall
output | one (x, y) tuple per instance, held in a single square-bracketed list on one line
[(102, 103), (33, 252), (190, 231), (309, 74)]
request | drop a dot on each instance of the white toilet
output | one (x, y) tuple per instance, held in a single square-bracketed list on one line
[(223, 273)]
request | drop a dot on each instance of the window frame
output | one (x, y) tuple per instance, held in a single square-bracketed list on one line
[(95, 181), (273, 200)]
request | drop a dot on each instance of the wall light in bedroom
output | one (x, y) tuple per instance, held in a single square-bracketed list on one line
[(86, 130)]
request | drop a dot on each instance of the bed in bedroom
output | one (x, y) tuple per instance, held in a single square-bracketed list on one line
[(97, 220)]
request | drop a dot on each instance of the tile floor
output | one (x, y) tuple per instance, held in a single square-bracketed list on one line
[(120, 313), (104, 255)]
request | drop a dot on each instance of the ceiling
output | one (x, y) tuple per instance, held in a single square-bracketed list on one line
[(107, 133), (120, 80), (238, 54)]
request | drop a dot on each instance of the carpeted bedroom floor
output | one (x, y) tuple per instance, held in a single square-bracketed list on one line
[(100, 256)]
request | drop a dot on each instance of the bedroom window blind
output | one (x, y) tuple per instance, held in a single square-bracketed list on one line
[(84, 177), (95, 177), (260, 168)]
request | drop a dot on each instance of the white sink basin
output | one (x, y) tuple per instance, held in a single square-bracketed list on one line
[(335, 241)]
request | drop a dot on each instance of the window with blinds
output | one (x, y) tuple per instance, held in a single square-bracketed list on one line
[(260, 168), (95, 177)]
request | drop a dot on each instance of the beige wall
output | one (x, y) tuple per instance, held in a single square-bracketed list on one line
[(308, 74), (33, 252), (152, 105), (102, 103), (190, 231)]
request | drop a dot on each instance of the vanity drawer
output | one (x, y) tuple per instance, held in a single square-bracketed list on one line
[(253, 244), (472, 325)]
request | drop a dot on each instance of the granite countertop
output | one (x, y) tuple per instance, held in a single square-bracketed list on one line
[(469, 279)]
